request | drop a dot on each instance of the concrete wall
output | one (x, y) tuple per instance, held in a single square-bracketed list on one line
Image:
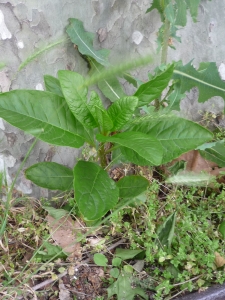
[(27, 26)]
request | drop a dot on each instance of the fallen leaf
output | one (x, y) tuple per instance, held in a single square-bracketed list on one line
[(63, 232), (219, 260), (64, 294)]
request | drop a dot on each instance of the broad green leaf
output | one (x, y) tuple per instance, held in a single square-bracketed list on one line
[(132, 186), (121, 111), (56, 213), (44, 115), (206, 79), (51, 175), (181, 18), (176, 135), (222, 229), (127, 253), (152, 89), (84, 41), (114, 272), (95, 192), (129, 155), (116, 262), (104, 120), (146, 146), (76, 97), (215, 154), (52, 85), (110, 87), (123, 288), (100, 260), (166, 231)]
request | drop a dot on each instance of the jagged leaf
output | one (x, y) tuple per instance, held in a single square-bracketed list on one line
[(206, 79), (121, 111), (193, 6), (215, 154), (84, 41), (52, 85), (152, 89), (110, 87), (95, 192), (44, 115), (132, 186), (51, 175), (170, 12), (176, 135), (156, 4), (76, 97), (146, 146), (181, 17)]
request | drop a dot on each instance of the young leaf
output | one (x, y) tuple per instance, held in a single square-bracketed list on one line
[(51, 175), (215, 154), (222, 229), (44, 115), (84, 41), (104, 120), (132, 186), (121, 111), (176, 135), (49, 252), (100, 260), (123, 289), (95, 192), (76, 97), (152, 89), (206, 79), (110, 87), (52, 85), (146, 146), (56, 213), (166, 231), (94, 101)]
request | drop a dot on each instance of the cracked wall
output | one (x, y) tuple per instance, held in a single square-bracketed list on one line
[(27, 26)]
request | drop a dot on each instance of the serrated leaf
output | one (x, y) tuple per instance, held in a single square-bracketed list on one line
[(152, 89), (127, 253), (132, 186), (156, 4), (51, 175), (121, 111), (170, 13), (123, 289), (181, 17), (193, 6), (176, 135), (76, 97), (104, 120), (215, 154), (84, 41), (174, 100), (95, 192), (110, 87), (206, 79), (44, 115), (52, 85), (146, 146), (166, 231)]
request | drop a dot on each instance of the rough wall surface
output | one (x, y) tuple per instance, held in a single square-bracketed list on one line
[(27, 26)]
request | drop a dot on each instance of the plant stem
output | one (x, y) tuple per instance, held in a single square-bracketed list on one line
[(166, 37), (102, 155)]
